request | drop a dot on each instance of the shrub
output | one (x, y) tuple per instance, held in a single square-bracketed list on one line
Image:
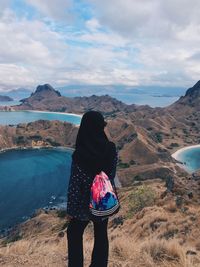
[(132, 162), (149, 129), (12, 238), (138, 178), (158, 137), (61, 213), (123, 165), (143, 196), (174, 145)]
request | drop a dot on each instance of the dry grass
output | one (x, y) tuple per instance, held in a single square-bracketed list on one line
[(156, 236), (126, 250)]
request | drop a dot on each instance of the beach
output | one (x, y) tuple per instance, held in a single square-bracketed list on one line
[(186, 164), (55, 112), (176, 155)]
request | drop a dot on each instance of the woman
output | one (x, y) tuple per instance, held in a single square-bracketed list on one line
[(93, 153)]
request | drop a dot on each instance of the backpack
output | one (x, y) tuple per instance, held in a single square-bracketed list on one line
[(104, 201)]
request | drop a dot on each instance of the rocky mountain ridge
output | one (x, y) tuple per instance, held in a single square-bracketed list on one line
[(47, 98)]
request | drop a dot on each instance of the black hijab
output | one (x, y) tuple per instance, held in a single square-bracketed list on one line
[(93, 151)]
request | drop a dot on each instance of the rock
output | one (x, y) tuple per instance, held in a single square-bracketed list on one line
[(191, 252)]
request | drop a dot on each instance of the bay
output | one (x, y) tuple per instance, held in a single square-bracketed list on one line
[(32, 179), (190, 157), (16, 117)]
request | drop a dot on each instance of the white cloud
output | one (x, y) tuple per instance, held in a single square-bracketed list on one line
[(166, 35), (147, 18), (130, 42), (93, 24), (11, 76)]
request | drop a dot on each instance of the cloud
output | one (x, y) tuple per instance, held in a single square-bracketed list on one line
[(165, 34), (58, 10), (148, 18), (11, 76), (130, 42)]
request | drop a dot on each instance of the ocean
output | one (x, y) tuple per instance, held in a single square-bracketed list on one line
[(149, 95), (16, 117), (31, 179), (190, 159)]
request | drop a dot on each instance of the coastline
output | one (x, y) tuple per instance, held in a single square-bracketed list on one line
[(55, 112), (176, 156), (2, 150), (56, 206), (45, 111), (177, 153)]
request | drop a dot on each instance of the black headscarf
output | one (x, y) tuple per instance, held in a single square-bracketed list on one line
[(93, 151)]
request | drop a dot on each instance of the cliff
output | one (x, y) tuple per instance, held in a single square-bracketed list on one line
[(38, 133)]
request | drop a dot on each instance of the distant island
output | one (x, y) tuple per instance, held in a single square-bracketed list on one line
[(5, 98)]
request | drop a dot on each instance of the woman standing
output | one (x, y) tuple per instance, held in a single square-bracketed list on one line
[(93, 153)]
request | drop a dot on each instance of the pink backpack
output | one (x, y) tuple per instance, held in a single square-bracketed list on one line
[(104, 201)]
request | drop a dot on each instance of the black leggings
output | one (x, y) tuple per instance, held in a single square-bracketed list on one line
[(75, 232)]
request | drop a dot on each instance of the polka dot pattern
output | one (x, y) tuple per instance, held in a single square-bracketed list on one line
[(78, 195)]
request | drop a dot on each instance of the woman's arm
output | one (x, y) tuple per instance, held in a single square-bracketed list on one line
[(113, 159), (74, 191)]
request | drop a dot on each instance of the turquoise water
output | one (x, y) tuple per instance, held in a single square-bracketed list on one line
[(145, 99), (31, 179), (191, 159), (15, 117)]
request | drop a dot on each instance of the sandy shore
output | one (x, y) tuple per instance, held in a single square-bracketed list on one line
[(63, 113), (2, 150), (176, 155)]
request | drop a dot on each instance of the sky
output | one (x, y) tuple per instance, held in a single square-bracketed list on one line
[(99, 42)]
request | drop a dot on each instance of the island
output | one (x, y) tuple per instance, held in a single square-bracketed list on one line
[(4, 98)]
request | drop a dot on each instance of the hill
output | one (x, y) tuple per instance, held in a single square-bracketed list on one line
[(151, 229), (145, 137), (5, 98), (47, 98)]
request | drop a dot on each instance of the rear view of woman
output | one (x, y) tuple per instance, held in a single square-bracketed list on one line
[(93, 153)]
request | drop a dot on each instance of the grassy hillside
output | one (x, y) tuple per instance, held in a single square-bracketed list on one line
[(153, 228)]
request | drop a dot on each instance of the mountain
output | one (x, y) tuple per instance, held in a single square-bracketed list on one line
[(17, 94), (5, 98), (145, 137), (47, 98), (191, 98)]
